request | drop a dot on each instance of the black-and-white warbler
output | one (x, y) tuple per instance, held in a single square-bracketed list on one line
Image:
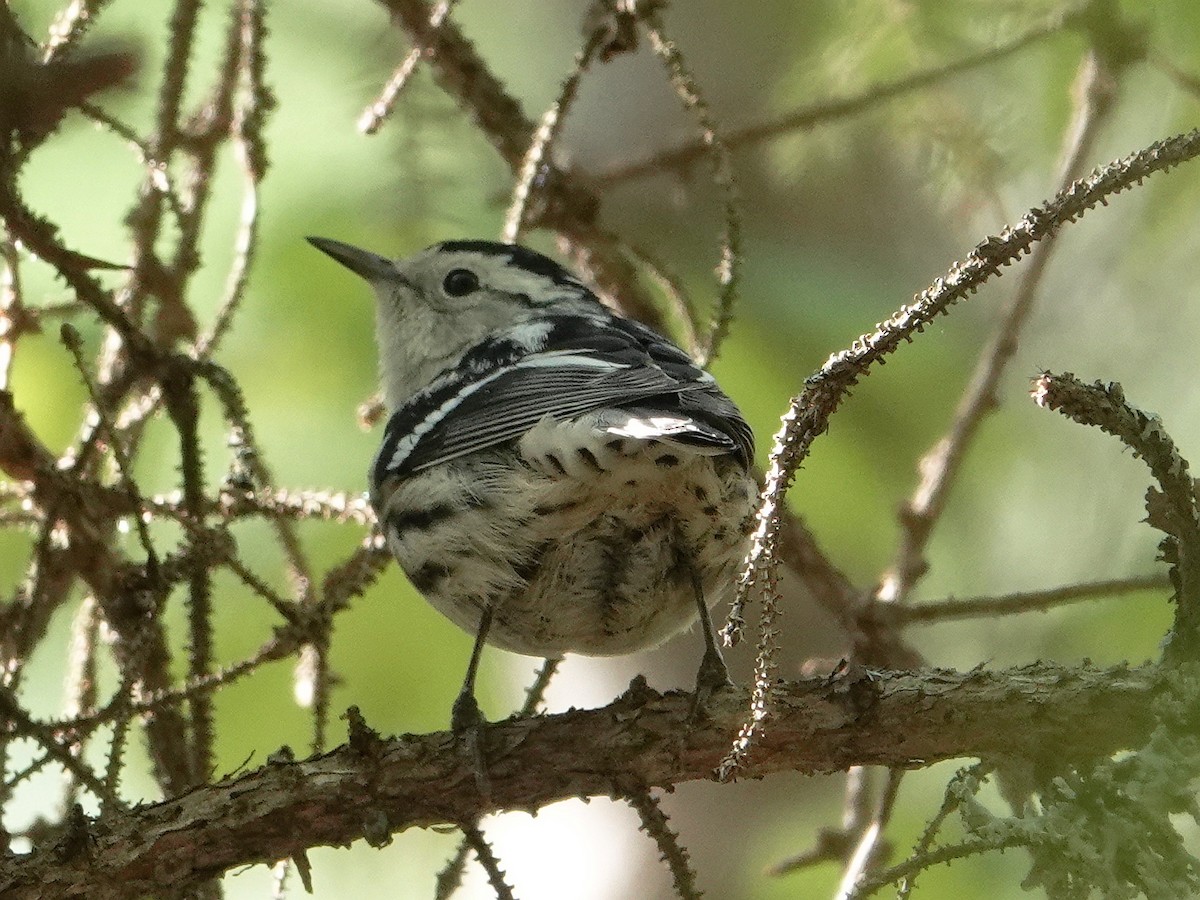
[(554, 478)]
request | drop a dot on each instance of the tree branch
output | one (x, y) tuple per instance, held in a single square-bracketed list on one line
[(900, 720)]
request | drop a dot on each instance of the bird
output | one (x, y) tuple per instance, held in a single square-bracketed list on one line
[(553, 477)]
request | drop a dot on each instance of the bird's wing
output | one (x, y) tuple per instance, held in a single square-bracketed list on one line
[(560, 367)]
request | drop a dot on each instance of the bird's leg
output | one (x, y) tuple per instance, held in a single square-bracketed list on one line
[(713, 674), (465, 712), (465, 716)]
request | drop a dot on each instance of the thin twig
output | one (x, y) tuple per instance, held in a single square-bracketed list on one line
[(940, 466), (1185, 80), (14, 319), (676, 292), (866, 851), (351, 578), (81, 673), (59, 751), (39, 237), (836, 844), (1104, 406), (139, 644), (200, 139), (449, 877), (686, 154), (536, 692), (656, 824), (945, 854), (279, 876), (250, 107), (154, 168), (145, 219), (373, 116), (534, 163), (278, 647), (1024, 601), (183, 406), (1176, 510), (729, 265), (953, 798), (763, 686), (74, 344), (487, 858), (229, 393), (297, 505), (69, 26)]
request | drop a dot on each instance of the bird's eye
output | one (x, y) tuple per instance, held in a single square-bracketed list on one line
[(460, 282)]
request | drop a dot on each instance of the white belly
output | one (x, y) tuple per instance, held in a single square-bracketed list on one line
[(587, 547)]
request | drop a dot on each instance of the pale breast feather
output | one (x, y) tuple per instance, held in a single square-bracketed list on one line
[(502, 388)]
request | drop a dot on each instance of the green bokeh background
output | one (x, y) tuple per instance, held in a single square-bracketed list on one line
[(843, 223)]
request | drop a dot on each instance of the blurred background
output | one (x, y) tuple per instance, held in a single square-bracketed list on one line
[(844, 222)]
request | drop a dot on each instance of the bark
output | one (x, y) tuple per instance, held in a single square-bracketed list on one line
[(372, 787)]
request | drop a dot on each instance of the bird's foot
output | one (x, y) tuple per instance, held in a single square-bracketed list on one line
[(467, 721)]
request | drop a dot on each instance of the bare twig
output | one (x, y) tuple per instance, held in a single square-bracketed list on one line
[(141, 648), (282, 645), (155, 168), (14, 318), (183, 406), (373, 116), (866, 851), (39, 237), (146, 217), (81, 672), (940, 466), (973, 775), (70, 25), (656, 824), (57, 749), (487, 858), (536, 692), (1024, 601), (1104, 406), (449, 877), (837, 845), (1175, 511), (910, 868), (250, 107), (1186, 80), (809, 413), (297, 505), (533, 165), (676, 292), (729, 265), (685, 155), (74, 343)]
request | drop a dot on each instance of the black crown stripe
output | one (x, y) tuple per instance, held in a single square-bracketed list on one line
[(517, 255)]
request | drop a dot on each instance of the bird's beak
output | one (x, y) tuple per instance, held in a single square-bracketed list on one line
[(370, 266)]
